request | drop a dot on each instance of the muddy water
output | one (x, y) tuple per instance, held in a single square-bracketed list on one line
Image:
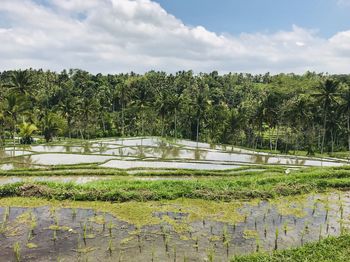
[(181, 233)]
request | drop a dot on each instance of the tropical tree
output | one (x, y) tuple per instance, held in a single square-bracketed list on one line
[(21, 82), (328, 91), (52, 125), (14, 106), (344, 108), (26, 132)]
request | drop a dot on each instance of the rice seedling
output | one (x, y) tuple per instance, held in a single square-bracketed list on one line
[(153, 253), (341, 209), (265, 230), (255, 224), (276, 238), (110, 227), (257, 243), (110, 247), (103, 222), (84, 233), (211, 254), (225, 234), (6, 215), (314, 208), (54, 238), (74, 213), (285, 227), (167, 239), (17, 251), (196, 245)]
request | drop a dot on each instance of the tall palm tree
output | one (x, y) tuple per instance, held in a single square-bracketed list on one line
[(14, 106), (122, 93), (328, 91), (52, 125), (344, 108), (22, 82)]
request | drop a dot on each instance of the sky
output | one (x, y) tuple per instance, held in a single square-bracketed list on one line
[(112, 36)]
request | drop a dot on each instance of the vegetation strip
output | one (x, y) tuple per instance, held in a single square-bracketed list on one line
[(335, 249), (243, 186)]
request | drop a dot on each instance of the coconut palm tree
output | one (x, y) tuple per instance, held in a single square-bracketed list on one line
[(52, 125), (15, 105), (344, 108), (21, 81), (328, 91)]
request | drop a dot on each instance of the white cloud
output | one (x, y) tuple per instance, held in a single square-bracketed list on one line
[(343, 2), (124, 35)]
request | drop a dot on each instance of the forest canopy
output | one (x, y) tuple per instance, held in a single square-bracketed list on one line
[(278, 112)]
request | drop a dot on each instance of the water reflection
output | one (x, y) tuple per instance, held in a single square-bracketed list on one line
[(181, 230)]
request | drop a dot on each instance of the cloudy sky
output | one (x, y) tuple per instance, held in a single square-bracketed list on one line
[(111, 36)]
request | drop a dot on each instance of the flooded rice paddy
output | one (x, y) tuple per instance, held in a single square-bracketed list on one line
[(177, 230), (136, 153), (61, 179)]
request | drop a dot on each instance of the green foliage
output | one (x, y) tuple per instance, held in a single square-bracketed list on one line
[(26, 132), (330, 249), (226, 188), (284, 112), (52, 125)]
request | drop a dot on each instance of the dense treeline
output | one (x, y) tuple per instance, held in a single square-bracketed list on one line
[(282, 112)]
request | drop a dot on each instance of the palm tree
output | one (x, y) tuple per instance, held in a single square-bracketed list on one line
[(201, 104), (26, 132), (327, 97), (21, 81), (52, 125), (14, 106), (2, 129), (122, 95), (344, 108)]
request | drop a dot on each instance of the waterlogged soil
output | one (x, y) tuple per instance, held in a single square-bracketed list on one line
[(178, 230)]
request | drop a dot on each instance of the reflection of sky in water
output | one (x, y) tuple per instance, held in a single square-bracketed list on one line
[(154, 148), (156, 164), (67, 159), (63, 179), (246, 227)]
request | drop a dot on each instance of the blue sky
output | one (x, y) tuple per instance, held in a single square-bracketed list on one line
[(237, 16), (109, 36)]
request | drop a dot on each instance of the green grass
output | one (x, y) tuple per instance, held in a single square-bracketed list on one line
[(335, 249), (95, 170), (239, 186)]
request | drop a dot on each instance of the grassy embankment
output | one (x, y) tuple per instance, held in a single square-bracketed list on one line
[(335, 249), (233, 185)]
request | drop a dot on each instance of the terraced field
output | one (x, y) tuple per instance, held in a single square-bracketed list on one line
[(154, 199)]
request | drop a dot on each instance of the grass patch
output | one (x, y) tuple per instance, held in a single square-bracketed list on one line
[(226, 188), (335, 249)]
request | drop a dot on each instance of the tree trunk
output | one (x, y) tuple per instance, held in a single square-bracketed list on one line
[(276, 143), (175, 123), (162, 120), (197, 131), (348, 122), (270, 139), (324, 129), (122, 119)]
